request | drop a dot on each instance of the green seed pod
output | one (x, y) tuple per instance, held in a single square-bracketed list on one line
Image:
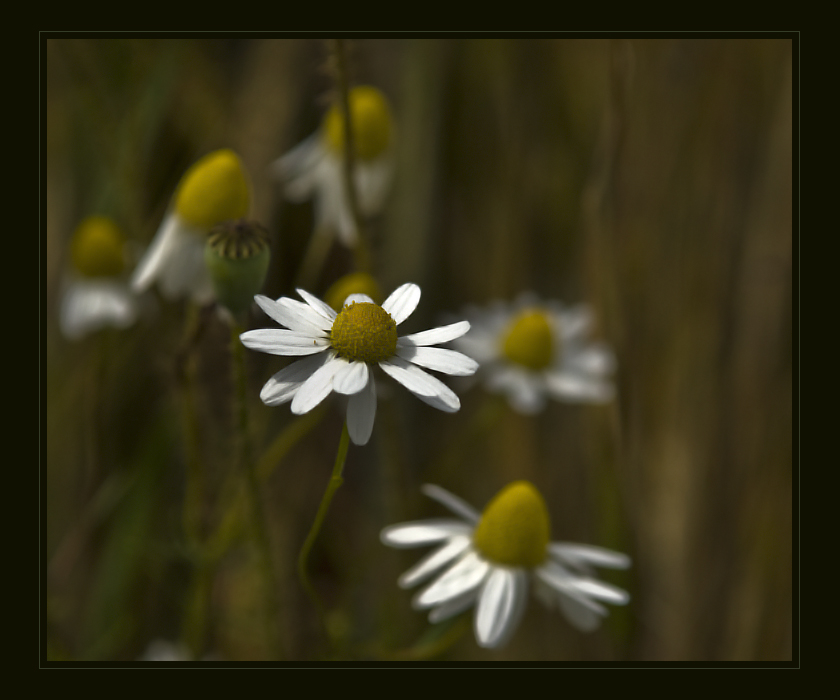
[(237, 256)]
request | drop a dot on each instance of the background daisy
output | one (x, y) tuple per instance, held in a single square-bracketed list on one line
[(490, 560), (530, 350)]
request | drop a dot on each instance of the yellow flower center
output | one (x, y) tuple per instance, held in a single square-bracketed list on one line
[(514, 528), (370, 116), (353, 283), (529, 340), (364, 332), (213, 190), (97, 248)]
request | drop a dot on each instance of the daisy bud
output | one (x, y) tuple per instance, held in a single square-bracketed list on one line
[(354, 283), (97, 248), (214, 189), (370, 116), (237, 256)]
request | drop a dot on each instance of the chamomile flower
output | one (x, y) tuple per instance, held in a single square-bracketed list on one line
[(314, 168), (490, 560), (214, 190), (342, 347), (95, 295), (532, 349)]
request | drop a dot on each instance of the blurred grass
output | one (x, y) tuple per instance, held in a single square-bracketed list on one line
[(650, 178)]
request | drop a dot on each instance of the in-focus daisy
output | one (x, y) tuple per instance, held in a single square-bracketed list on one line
[(490, 560), (342, 348), (214, 190), (95, 294), (533, 349), (314, 168)]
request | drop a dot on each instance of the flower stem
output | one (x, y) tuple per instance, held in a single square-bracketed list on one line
[(247, 466), (363, 263), (335, 481)]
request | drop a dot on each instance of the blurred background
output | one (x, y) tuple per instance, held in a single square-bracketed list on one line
[(652, 179)]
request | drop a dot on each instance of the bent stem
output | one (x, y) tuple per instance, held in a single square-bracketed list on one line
[(335, 481)]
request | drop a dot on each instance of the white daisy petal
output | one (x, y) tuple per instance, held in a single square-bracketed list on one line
[(596, 360), (278, 341), (351, 378), (566, 583), (584, 554), (284, 384), (423, 532), (300, 159), (435, 336), (317, 387), (294, 315), (361, 412), (452, 549), (167, 239), (439, 359), (454, 606), (466, 575), (451, 501), (358, 298), (321, 307), (402, 302), (574, 387), (426, 387), (583, 617), (601, 591), (499, 610)]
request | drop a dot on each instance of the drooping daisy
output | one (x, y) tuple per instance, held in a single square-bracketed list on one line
[(314, 168), (95, 294), (214, 190), (491, 559), (344, 346), (532, 349)]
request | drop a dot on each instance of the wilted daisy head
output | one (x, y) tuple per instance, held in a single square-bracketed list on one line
[(215, 189), (531, 349), (314, 167), (343, 346), (95, 294), (490, 560)]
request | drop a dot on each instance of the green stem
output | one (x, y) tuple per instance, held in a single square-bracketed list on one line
[(247, 466), (335, 481)]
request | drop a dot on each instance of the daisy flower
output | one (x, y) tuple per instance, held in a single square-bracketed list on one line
[(95, 295), (215, 189), (342, 348), (530, 350), (489, 560), (314, 168)]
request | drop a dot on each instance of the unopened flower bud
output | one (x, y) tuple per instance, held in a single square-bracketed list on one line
[(237, 256)]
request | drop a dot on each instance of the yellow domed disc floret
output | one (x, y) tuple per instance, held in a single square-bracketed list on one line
[(352, 283), (529, 340), (213, 190), (364, 332), (370, 116), (97, 248), (514, 528)]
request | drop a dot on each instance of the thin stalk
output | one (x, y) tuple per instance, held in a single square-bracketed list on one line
[(335, 482), (247, 467)]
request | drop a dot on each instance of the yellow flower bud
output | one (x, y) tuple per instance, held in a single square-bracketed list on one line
[(370, 116), (213, 190), (97, 248), (514, 529)]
